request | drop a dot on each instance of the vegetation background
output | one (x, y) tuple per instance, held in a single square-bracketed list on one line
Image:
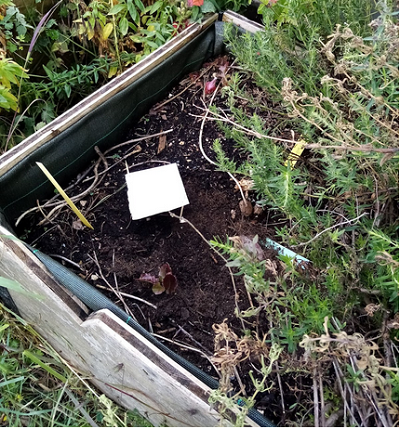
[(332, 68)]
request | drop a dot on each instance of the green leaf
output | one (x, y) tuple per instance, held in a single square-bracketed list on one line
[(48, 72), (208, 7), (158, 288), (132, 11), (155, 7), (44, 366), (12, 381), (15, 286), (140, 5), (123, 26), (116, 9), (67, 89), (108, 28)]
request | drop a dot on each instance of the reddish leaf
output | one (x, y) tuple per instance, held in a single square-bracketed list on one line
[(164, 270), (252, 247), (149, 278), (170, 283), (210, 86)]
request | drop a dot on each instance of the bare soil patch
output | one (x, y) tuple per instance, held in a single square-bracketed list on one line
[(120, 250)]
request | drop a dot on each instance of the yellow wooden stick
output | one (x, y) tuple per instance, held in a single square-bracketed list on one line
[(64, 195)]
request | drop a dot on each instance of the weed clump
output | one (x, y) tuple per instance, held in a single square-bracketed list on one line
[(39, 389), (330, 76)]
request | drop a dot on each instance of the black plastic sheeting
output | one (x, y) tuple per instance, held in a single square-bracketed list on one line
[(70, 152)]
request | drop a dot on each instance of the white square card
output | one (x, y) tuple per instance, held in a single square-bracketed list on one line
[(155, 190)]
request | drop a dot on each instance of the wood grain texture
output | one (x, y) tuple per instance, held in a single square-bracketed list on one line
[(119, 361)]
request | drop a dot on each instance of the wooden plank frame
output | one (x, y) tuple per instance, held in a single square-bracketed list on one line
[(242, 22), (118, 360)]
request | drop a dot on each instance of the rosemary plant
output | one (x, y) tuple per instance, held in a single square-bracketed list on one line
[(331, 71)]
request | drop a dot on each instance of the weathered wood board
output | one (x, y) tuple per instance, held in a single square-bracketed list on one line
[(241, 22), (118, 360)]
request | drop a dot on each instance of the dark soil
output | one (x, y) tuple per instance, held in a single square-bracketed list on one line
[(124, 249)]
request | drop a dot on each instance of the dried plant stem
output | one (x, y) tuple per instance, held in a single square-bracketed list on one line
[(342, 393), (360, 148), (220, 255), (158, 107), (127, 295), (185, 332), (53, 255), (185, 346), (330, 422), (239, 380), (240, 127), (316, 401), (59, 205), (321, 395), (116, 292), (328, 229), (281, 391), (137, 140), (53, 202), (207, 110)]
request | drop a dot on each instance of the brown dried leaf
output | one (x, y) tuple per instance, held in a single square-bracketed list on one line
[(162, 143), (246, 208), (271, 266), (77, 224), (258, 210), (246, 184)]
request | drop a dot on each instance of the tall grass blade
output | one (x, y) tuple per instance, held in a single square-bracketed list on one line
[(12, 381), (48, 369), (41, 24), (17, 287)]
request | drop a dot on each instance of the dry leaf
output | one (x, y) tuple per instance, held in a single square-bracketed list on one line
[(246, 208), (162, 143), (271, 267), (258, 210), (246, 184), (77, 224)]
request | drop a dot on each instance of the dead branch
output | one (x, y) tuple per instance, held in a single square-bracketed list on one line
[(316, 401), (361, 148), (328, 229)]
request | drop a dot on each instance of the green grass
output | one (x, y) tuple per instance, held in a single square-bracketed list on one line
[(39, 389)]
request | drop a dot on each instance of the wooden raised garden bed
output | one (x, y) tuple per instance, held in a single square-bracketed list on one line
[(125, 364)]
